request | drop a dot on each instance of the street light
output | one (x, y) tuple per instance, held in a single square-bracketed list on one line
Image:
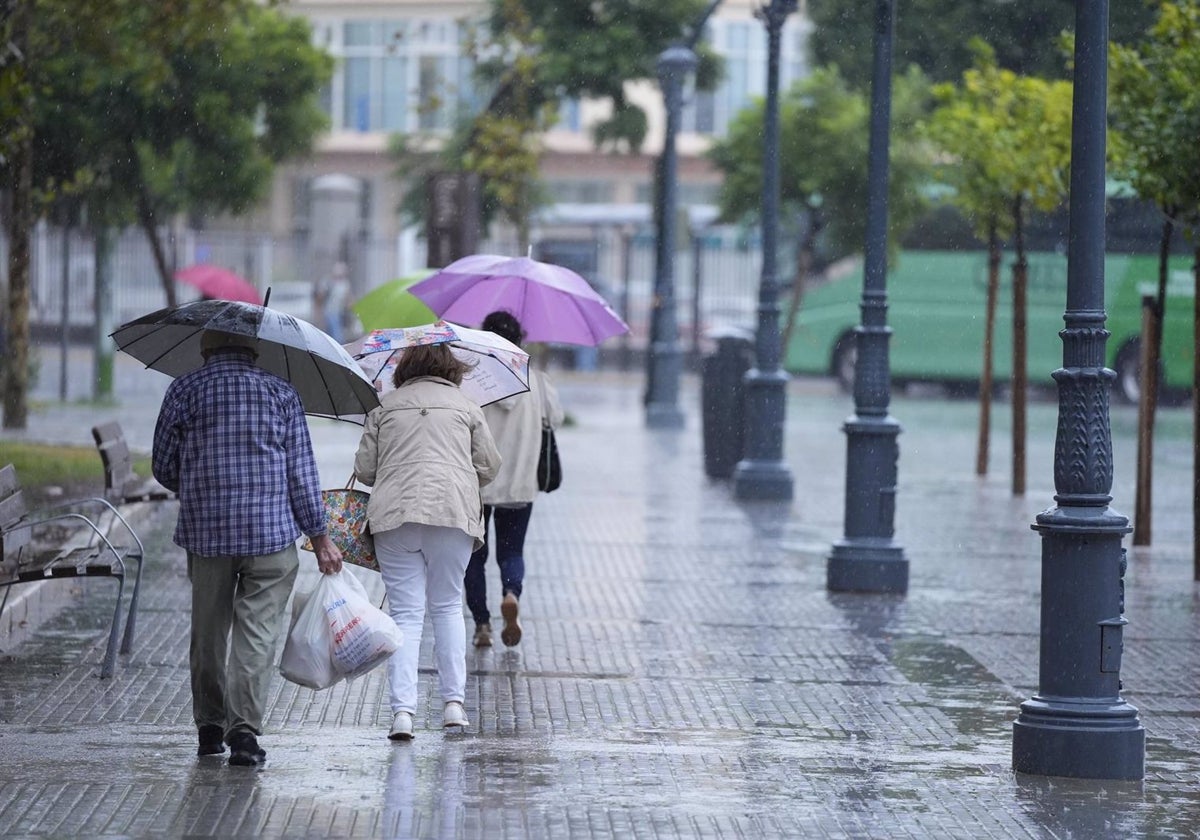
[(761, 474), (867, 558), (1077, 724), (665, 361)]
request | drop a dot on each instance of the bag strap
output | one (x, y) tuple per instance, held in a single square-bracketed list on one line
[(350, 483)]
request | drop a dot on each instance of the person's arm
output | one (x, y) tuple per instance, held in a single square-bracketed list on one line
[(366, 459), (168, 438), (552, 413), (485, 457), (304, 490)]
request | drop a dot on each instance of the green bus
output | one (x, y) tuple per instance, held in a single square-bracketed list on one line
[(937, 309)]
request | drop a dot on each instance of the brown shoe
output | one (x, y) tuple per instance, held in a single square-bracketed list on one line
[(483, 635), (510, 609)]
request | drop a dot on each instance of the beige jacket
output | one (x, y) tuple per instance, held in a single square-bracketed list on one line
[(426, 451), (516, 424)]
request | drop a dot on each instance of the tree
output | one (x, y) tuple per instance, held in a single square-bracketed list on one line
[(199, 129), (823, 150), (531, 55), (1156, 114), (935, 34), (143, 110), (1006, 139)]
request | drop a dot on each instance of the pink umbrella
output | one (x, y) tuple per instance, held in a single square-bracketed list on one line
[(218, 283), (551, 302)]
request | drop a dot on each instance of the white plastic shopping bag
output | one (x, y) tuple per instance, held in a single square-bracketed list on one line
[(336, 634)]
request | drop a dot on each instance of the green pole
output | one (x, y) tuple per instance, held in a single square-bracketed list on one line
[(104, 314)]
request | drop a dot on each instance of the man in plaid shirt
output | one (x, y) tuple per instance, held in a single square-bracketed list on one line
[(232, 441)]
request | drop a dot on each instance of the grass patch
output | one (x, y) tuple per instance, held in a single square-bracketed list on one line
[(76, 469)]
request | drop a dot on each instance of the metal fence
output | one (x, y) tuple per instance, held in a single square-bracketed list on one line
[(716, 276)]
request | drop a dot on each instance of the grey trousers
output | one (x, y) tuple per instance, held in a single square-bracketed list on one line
[(237, 614)]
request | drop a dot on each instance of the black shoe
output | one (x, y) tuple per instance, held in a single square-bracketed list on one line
[(210, 740), (244, 750)]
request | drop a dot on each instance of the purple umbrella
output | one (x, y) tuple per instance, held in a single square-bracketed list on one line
[(551, 302)]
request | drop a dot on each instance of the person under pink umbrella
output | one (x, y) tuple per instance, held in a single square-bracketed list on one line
[(217, 283)]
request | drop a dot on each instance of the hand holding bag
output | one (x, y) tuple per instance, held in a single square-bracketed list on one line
[(549, 469), (336, 634), (346, 521)]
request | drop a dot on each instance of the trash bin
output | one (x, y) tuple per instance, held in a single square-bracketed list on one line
[(722, 397)]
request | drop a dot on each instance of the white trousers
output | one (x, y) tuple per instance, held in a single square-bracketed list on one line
[(424, 564)]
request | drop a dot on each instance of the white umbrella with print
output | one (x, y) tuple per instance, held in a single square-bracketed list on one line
[(499, 368)]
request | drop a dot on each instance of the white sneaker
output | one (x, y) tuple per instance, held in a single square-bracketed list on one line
[(402, 727), (454, 715)]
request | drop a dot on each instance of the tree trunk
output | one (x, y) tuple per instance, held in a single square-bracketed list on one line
[(989, 334), (1149, 365), (145, 211), (16, 334), (804, 261), (1019, 377), (1196, 418)]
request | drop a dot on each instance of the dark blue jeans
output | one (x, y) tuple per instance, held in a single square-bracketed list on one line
[(511, 525)]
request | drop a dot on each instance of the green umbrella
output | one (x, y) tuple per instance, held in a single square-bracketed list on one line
[(392, 305)]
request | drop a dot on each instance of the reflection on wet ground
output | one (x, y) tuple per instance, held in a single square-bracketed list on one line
[(684, 673)]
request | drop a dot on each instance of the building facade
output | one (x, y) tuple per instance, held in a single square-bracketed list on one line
[(400, 66)]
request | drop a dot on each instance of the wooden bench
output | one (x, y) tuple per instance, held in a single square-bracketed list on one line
[(28, 555), (121, 484)]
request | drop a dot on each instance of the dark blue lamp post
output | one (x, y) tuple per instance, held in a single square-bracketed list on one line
[(665, 361), (1077, 724), (762, 474), (867, 558)]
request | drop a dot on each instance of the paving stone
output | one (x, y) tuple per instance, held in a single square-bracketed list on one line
[(683, 673)]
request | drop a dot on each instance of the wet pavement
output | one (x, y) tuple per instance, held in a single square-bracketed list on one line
[(683, 672)]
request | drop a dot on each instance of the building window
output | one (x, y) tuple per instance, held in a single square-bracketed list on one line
[(743, 46), (397, 75), (574, 191)]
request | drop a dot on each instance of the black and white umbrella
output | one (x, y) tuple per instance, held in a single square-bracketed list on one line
[(328, 379)]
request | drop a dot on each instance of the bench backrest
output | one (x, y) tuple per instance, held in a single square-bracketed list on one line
[(119, 477), (12, 508)]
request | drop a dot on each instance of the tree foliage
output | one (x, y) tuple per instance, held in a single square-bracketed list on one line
[(935, 34), (196, 124), (1155, 112), (823, 152), (1000, 136), (143, 110)]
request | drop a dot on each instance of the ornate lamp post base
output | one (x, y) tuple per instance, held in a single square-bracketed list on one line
[(1079, 740), (867, 559), (662, 405), (1077, 725), (868, 565), (762, 475)]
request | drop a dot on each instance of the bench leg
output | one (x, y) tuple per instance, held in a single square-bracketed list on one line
[(110, 652), (131, 619)]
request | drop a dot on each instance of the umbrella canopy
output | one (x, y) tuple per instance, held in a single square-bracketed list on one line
[(393, 305), (218, 283), (329, 381), (551, 302), (499, 368)]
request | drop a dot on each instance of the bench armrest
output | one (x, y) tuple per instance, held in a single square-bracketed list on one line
[(95, 500), (28, 523)]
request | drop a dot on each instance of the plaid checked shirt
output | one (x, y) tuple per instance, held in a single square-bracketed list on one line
[(232, 440)]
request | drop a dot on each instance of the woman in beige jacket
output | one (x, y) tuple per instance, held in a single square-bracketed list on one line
[(426, 451), (516, 423)]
